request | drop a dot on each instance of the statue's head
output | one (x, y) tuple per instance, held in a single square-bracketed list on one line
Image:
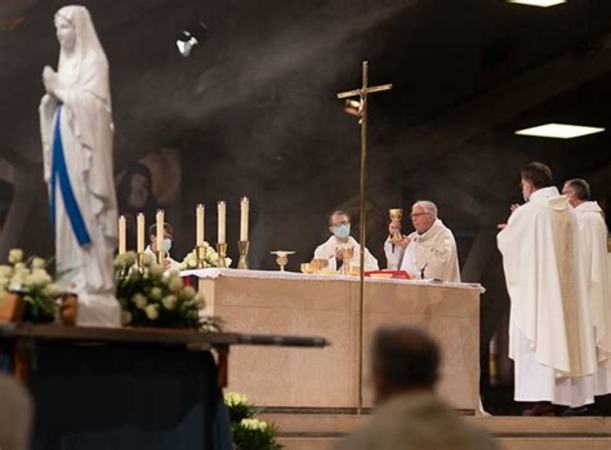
[(66, 33)]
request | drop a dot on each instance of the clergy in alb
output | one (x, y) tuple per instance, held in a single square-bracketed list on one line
[(339, 226), (551, 338), (593, 251), (170, 263), (428, 252), (77, 134)]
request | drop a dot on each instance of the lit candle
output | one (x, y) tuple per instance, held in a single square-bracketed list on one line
[(244, 206), (140, 225), (199, 225), (160, 229), (222, 222), (122, 243)]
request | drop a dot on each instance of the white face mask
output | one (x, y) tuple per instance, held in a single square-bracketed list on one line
[(342, 231), (166, 245)]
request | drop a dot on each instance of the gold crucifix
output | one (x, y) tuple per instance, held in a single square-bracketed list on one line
[(359, 109)]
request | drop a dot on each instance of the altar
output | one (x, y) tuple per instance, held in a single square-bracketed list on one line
[(284, 302)]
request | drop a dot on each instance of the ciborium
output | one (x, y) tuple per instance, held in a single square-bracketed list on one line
[(282, 257), (319, 264)]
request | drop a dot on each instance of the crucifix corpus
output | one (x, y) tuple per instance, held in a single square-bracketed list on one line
[(358, 108)]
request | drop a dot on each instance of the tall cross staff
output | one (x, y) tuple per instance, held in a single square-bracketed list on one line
[(359, 109)]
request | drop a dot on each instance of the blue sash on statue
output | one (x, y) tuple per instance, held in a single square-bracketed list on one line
[(59, 174)]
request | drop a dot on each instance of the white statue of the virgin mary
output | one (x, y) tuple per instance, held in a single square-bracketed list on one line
[(77, 135)]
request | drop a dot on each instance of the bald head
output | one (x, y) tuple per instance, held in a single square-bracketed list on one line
[(403, 359)]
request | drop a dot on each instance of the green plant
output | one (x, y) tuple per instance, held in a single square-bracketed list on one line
[(248, 432)]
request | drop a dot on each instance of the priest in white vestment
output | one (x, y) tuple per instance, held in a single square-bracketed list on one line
[(151, 250), (593, 249), (77, 135), (331, 250), (430, 251), (551, 338)]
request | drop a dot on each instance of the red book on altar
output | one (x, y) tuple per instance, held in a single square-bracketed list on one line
[(397, 274)]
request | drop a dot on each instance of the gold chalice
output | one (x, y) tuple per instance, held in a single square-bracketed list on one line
[(347, 255), (396, 216), (282, 257)]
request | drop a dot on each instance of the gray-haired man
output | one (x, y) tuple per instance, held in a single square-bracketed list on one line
[(428, 252)]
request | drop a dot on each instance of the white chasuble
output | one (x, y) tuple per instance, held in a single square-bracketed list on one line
[(593, 251), (551, 334), (432, 254), (327, 251)]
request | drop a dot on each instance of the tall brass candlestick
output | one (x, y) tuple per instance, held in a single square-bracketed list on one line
[(243, 261), (361, 112), (221, 248)]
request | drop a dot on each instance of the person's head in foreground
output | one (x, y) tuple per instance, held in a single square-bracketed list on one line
[(409, 415), (404, 360)]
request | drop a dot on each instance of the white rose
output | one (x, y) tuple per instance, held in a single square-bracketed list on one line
[(187, 293), (169, 302), (151, 312), (253, 424), (140, 300), (198, 300), (15, 255), (175, 283), (38, 263), (156, 293), (51, 290), (5, 271), (157, 270)]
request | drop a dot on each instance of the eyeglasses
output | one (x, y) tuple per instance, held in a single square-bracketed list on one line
[(337, 224), (419, 214)]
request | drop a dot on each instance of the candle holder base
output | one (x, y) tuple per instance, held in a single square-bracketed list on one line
[(140, 260), (200, 256), (221, 249), (243, 261), (160, 256)]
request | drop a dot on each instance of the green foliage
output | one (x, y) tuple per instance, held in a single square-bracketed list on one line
[(249, 433)]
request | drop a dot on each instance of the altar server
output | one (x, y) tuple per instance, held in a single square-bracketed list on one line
[(339, 226), (168, 237), (593, 252)]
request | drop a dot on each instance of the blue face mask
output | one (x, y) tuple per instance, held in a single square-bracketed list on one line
[(166, 245), (342, 231)]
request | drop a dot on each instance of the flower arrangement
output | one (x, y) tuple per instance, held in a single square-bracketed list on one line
[(150, 296), (211, 259), (30, 278), (249, 433)]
